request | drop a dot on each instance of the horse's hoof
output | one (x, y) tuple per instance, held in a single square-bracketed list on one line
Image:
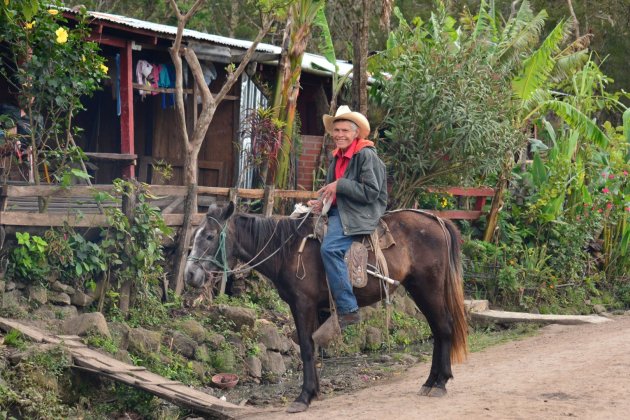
[(437, 392), (297, 407), (425, 390)]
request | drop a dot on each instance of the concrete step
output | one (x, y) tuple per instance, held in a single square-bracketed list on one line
[(511, 317)]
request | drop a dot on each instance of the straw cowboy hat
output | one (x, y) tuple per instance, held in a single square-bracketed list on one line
[(344, 113)]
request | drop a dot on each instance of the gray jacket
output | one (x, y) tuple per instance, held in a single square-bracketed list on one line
[(361, 192)]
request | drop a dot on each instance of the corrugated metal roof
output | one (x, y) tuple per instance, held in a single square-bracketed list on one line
[(311, 62)]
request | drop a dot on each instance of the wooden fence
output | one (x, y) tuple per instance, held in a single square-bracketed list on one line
[(77, 207)]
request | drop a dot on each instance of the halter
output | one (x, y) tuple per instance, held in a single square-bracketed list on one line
[(225, 270)]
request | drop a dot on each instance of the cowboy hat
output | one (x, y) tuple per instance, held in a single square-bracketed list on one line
[(344, 113)]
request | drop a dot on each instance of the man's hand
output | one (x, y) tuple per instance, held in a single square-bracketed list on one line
[(317, 205), (328, 192)]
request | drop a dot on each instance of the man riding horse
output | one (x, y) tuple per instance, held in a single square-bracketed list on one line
[(356, 187)]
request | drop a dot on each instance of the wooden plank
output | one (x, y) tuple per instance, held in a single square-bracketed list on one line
[(169, 209), (52, 219), (456, 214), (116, 157), (54, 190), (506, 317), (464, 191)]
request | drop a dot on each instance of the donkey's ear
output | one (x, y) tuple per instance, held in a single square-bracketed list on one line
[(229, 210)]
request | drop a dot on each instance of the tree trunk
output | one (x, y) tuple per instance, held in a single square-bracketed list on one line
[(360, 33)]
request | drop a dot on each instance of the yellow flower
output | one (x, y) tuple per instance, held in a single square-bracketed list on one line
[(104, 68), (62, 35), (6, 2), (29, 25), (83, 58), (53, 12)]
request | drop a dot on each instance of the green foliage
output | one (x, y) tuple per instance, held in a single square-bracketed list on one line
[(51, 66), (15, 339), (77, 260), (133, 245), (449, 112), (28, 260), (31, 387)]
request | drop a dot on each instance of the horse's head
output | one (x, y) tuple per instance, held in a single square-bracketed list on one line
[(211, 250)]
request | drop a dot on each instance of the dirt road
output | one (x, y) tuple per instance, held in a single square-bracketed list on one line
[(564, 371)]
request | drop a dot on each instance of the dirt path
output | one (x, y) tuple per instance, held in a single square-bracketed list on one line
[(564, 371)]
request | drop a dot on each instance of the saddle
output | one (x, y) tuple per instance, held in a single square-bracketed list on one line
[(356, 257)]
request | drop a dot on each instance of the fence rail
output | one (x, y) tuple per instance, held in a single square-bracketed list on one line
[(76, 205)]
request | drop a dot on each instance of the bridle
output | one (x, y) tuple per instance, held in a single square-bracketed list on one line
[(221, 251)]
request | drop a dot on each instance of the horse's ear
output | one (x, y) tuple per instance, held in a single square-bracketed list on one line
[(229, 210)]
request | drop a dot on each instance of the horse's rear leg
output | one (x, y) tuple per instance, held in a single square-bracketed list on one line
[(305, 322), (431, 303)]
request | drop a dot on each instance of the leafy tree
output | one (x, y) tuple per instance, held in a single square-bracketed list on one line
[(51, 65)]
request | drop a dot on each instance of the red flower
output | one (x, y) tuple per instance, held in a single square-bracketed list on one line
[(605, 190), (611, 176), (625, 173), (599, 210), (609, 205)]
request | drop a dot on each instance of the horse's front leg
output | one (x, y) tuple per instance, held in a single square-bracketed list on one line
[(305, 317)]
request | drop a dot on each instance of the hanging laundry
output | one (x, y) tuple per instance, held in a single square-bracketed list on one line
[(143, 73), (167, 80), (154, 77)]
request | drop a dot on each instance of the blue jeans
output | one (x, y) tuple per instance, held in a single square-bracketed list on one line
[(333, 250)]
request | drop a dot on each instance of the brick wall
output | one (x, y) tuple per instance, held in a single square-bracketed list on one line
[(311, 146)]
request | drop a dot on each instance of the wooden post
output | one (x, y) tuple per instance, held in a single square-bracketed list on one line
[(128, 205), (268, 200), (126, 114), (183, 245)]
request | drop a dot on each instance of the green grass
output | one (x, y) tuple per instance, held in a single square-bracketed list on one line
[(481, 338)]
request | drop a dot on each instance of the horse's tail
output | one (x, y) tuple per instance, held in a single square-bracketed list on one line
[(455, 297)]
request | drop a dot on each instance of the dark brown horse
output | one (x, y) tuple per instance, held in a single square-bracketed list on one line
[(425, 260)]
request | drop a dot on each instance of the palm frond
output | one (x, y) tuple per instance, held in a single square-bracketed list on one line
[(577, 120), (567, 65), (539, 65), (520, 36), (486, 23), (325, 44)]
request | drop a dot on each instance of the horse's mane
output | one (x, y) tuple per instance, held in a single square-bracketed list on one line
[(271, 233)]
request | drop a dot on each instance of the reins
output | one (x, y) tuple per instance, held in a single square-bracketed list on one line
[(223, 252)]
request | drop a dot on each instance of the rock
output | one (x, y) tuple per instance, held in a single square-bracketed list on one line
[(2, 285), (200, 369), (64, 288), (215, 340), (38, 294), (82, 299), (407, 359), (373, 338), (194, 330), (143, 341), (184, 345), (10, 286), (123, 356), (11, 299), (65, 312), (120, 334), (86, 324), (59, 298), (237, 316), (599, 309), (20, 285), (253, 366), (44, 312), (202, 353), (272, 362), (269, 336)]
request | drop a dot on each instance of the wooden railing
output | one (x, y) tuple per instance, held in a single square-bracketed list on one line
[(77, 207), (480, 195)]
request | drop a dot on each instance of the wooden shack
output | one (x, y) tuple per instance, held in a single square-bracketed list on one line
[(128, 127)]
